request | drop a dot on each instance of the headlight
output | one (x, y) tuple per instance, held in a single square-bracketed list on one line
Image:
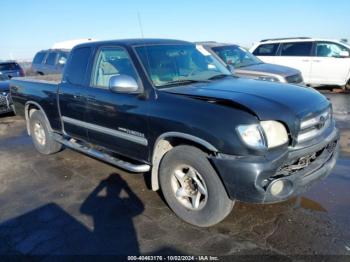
[(269, 78), (268, 134), (252, 136), (275, 133)]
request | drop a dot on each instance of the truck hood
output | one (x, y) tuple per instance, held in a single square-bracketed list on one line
[(4, 86), (266, 100), (269, 69)]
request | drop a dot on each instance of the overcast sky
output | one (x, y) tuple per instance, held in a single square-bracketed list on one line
[(32, 25)]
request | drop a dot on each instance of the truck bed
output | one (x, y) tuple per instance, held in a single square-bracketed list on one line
[(39, 91), (52, 79)]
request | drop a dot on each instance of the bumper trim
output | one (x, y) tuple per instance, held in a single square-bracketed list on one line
[(244, 177)]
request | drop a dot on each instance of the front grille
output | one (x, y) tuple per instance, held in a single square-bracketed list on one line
[(303, 162), (311, 127), (4, 101), (294, 79)]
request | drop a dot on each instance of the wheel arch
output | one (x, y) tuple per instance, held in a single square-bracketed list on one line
[(166, 142), (29, 108)]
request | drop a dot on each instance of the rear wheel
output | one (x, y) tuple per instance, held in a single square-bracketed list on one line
[(41, 136), (192, 188)]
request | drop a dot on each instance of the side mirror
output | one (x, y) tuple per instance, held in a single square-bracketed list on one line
[(62, 61), (123, 84), (231, 68), (344, 54)]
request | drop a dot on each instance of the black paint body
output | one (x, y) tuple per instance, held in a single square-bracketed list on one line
[(208, 111)]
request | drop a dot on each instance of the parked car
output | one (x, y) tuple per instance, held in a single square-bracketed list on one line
[(321, 61), (168, 107), (50, 61), (5, 97), (247, 65), (11, 69)]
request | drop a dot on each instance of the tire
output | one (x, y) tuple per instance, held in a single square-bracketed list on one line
[(41, 136), (213, 207)]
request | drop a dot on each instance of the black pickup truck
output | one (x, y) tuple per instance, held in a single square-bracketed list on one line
[(169, 109)]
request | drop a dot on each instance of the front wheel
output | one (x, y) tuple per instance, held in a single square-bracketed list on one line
[(192, 188), (41, 136)]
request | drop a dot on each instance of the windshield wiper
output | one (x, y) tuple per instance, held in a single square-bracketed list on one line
[(220, 76), (183, 82)]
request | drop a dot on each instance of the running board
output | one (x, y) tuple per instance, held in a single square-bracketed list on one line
[(71, 143)]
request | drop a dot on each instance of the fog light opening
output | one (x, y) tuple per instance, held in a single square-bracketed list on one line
[(280, 188), (276, 187)]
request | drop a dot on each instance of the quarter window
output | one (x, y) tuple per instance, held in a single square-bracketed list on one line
[(112, 61), (266, 50), (324, 49), (296, 49)]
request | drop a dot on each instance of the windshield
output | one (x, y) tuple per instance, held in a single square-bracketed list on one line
[(179, 64), (236, 56)]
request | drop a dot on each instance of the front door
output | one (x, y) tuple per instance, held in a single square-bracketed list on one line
[(116, 120), (328, 66), (296, 55)]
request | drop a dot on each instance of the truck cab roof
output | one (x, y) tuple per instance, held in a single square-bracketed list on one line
[(135, 42)]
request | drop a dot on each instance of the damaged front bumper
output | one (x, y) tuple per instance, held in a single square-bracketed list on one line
[(5, 103), (277, 176)]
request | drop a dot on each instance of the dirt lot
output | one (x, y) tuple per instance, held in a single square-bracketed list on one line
[(69, 203)]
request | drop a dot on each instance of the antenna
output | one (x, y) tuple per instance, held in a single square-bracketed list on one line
[(140, 24), (146, 48)]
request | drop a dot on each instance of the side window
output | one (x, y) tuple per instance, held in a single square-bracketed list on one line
[(51, 58), (296, 49), (111, 61), (326, 49), (62, 58), (266, 50), (76, 68), (39, 57)]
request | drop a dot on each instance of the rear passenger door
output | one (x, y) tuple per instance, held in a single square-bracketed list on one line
[(116, 120), (296, 55), (72, 94), (266, 52)]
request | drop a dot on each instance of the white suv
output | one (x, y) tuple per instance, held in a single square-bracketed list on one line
[(321, 61)]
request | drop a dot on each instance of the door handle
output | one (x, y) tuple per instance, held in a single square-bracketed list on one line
[(91, 98), (77, 96), (316, 61), (306, 60)]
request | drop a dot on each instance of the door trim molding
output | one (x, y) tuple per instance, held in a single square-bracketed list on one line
[(108, 131)]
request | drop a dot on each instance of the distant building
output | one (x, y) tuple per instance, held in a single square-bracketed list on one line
[(71, 43)]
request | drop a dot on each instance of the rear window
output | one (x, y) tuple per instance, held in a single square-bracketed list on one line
[(266, 50), (9, 66), (39, 57), (51, 58), (77, 65), (296, 49)]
